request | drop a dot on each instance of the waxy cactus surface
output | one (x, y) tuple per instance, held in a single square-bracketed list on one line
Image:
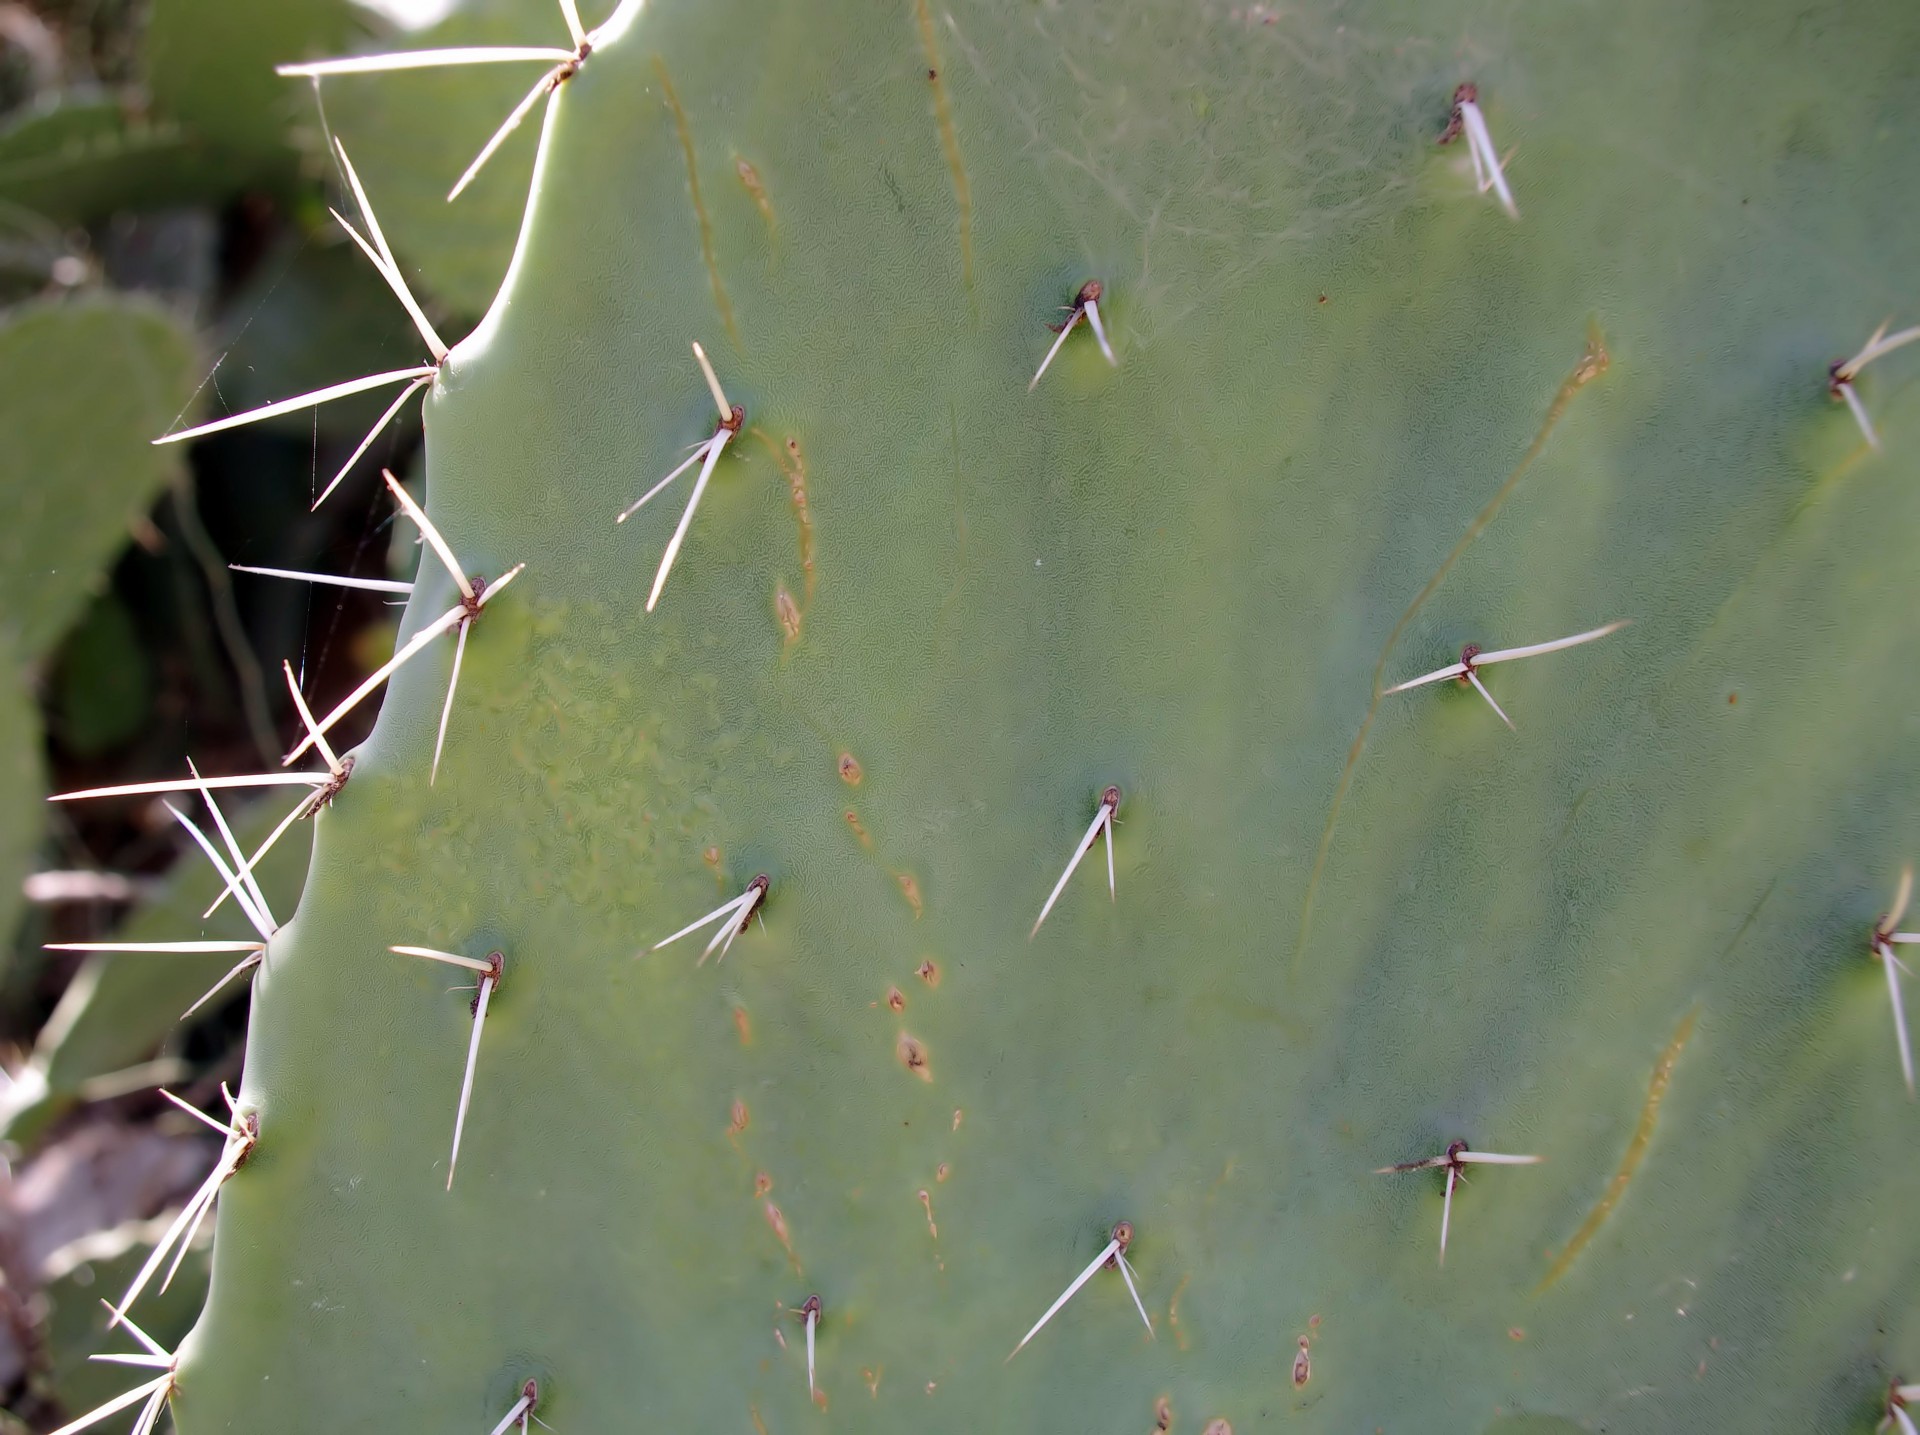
[(924, 619)]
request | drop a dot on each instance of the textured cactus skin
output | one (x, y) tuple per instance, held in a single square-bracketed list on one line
[(1177, 576)]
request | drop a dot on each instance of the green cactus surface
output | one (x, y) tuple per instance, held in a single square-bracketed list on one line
[(924, 617)]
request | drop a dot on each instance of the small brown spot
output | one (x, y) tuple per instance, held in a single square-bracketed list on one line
[(779, 1223), (1323, 298), (1732, 698), (850, 772), (942, 1171), (1313, 1322), (929, 972), (786, 612), (926, 1200), (794, 467), (1302, 1365), (859, 830), (737, 1122), (949, 140), (1515, 1333), (1218, 1427), (796, 471), (750, 181), (1162, 1415), (762, 1183), (1594, 361), (743, 1024), (896, 999), (910, 889), (913, 1055), (1456, 122)]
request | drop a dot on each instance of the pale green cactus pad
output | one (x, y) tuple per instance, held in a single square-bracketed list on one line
[(923, 617)]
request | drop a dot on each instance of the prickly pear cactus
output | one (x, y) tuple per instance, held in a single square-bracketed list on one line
[(1358, 417)]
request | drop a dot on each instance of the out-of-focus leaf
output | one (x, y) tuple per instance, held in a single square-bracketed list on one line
[(103, 683), (88, 385), (210, 67), (119, 1010), (100, 1267), (22, 783), (82, 156)]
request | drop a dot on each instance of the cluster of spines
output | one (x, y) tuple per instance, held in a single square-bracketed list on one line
[(242, 1131)]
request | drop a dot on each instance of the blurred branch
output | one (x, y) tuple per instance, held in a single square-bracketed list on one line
[(226, 617)]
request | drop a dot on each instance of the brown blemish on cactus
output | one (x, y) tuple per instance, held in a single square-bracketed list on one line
[(1636, 1152), (941, 1172), (1302, 1365), (1162, 1415), (753, 1414), (496, 964), (858, 829), (757, 191), (335, 784), (1218, 1427), (737, 1121), (786, 613), (1592, 363), (762, 1183), (777, 1220), (928, 971), (949, 139), (1467, 91), (926, 1200), (913, 1056), (672, 97), (1226, 1175), (896, 999), (711, 856), (793, 467), (910, 889), (850, 770), (796, 471), (743, 1024)]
